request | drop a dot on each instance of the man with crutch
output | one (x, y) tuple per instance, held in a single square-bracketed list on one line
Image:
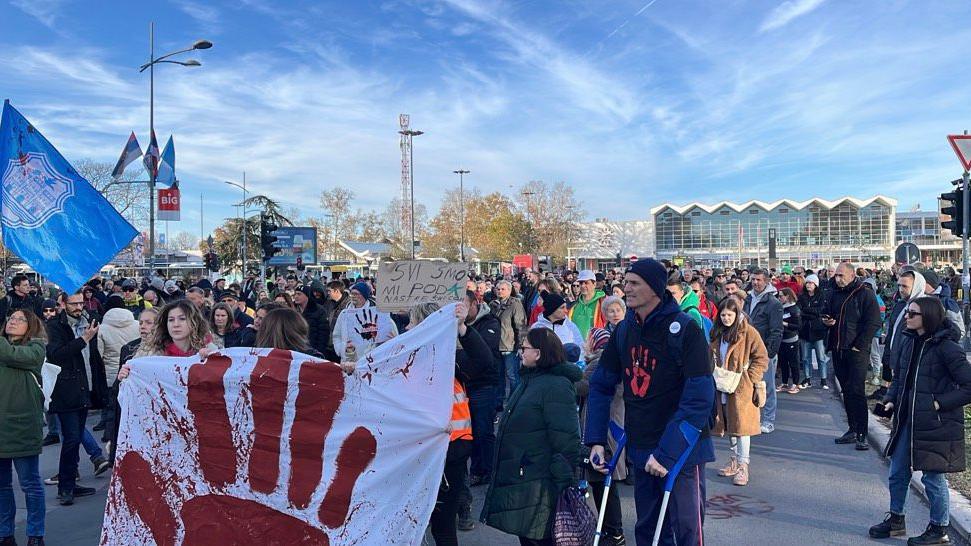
[(661, 356)]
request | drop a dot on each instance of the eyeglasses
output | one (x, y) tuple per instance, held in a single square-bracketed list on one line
[(16, 319), (913, 313)]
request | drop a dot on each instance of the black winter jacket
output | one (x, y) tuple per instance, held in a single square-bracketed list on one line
[(72, 391), (857, 315), (941, 373), (320, 339), (487, 326), (792, 318), (812, 308)]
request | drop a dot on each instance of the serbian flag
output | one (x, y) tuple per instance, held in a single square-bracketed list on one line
[(166, 168), (151, 157), (131, 152)]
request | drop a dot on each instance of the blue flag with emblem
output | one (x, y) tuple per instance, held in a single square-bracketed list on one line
[(51, 216)]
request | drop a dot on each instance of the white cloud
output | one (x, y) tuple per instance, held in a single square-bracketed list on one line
[(207, 15), (787, 11), (45, 11)]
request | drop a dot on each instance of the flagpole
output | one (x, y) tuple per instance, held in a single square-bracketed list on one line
[(151, 127)]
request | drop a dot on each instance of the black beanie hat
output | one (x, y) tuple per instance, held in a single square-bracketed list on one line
[(551, 302), (932, 278), (653, 273)]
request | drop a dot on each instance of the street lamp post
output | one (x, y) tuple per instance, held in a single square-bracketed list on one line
[(150, 65), (411, 134), (529, 218), (243, 227), (462, 173)]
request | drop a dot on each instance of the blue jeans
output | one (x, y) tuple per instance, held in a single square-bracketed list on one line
[(510, 363), (807, 358), (768, 411), (72, 432), (91, 446), (28, 474), (482, 406), (935, 483)]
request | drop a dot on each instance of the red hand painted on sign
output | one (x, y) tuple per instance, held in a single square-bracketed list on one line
[(220, 518)]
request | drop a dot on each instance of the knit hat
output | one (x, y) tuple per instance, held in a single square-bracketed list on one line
[(812, 279), (49, 304), (932, 278), (171, 286), (787, 269), (653, 274), (551, 302), (572, 352), (598, 338), (363, 288)]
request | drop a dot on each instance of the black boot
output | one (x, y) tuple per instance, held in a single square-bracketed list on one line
[(464, 520), (892, 526), (847, 438), (935, 534), (861, 444)]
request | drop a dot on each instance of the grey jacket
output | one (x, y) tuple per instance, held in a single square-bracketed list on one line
[(512, 323), (766, 316)]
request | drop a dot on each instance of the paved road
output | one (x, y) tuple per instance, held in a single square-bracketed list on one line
[(805, 490)]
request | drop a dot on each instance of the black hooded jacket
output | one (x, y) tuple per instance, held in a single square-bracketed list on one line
[(319, 326), (930, 369), (857, 315)]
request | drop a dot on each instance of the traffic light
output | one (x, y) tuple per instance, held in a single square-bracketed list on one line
[(952, 204), (212, 261), (267, 239)]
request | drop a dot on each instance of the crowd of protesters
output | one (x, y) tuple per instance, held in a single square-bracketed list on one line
[(545, 362)]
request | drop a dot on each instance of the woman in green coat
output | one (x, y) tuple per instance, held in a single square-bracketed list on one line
[(538, 445), (22, 350)]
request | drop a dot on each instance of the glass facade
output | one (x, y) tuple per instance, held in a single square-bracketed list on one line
[(806, 232)]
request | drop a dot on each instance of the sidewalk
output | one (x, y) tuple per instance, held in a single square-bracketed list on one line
[(805, 490)]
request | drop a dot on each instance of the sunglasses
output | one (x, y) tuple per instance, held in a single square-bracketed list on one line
[(128, 289), (910, 313)]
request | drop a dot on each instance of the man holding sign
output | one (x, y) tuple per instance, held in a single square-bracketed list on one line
[(361, 326)]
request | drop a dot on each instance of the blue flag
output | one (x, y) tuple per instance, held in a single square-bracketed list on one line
[(51, 216), (166, 168)]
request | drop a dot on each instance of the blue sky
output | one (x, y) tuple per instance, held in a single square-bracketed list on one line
[(633, 103)]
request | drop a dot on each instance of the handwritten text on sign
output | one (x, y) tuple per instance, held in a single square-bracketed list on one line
[(402, 285)]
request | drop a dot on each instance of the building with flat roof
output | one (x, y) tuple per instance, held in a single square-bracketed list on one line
[(923, 228), (807, 233)]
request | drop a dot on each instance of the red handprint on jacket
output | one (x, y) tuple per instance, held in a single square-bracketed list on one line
[(640, 371), (176, 514)]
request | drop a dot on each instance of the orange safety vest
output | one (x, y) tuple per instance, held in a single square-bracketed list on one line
[(461, 416)]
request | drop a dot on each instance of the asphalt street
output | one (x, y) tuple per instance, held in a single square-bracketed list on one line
[(804, 490)]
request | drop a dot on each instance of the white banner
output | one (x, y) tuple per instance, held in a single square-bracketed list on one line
[(254, 446)]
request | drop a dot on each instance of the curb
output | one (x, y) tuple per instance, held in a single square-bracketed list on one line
[(959, 507)]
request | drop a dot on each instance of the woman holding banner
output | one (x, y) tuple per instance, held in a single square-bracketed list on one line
[(22, 351)]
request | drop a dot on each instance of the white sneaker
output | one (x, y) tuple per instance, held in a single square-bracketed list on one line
[(767, 428)]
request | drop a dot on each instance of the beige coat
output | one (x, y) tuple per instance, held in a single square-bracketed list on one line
[(742, 416)]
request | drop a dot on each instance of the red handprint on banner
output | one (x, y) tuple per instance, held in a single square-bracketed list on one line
[(220, 517)]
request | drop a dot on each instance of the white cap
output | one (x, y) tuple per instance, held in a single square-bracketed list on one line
[(586, 275)]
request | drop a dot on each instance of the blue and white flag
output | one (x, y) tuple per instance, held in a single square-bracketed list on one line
[(131, 152), (166, 169), (51, 216)]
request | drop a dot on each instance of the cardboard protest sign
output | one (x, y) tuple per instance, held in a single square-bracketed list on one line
[(402, 285), (261, 446)]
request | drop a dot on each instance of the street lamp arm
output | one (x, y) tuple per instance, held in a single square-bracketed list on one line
[(166, 56)]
